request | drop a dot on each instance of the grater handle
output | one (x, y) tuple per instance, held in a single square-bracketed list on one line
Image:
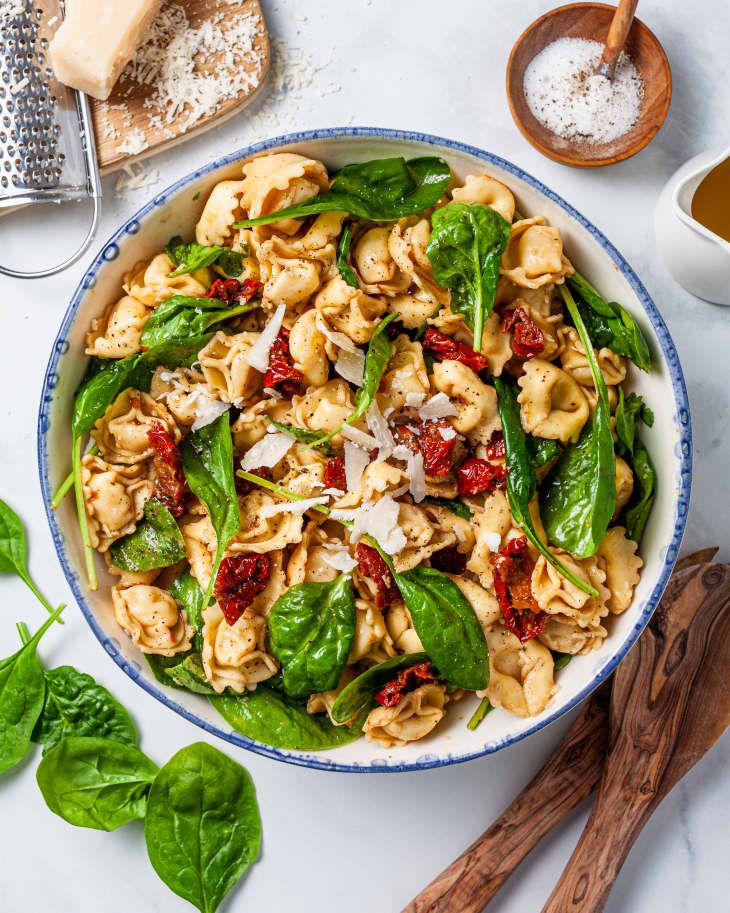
[(92, 166)]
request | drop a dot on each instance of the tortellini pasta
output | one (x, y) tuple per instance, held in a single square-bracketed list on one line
[(534, 255), (481, 188), (475, 402), (226, 371), (117, 332), (552, 403), (221, 210), (520, 675), (123, 432), (417, 714), (151, 283), (114, 496), (153, 619), (235, 656)]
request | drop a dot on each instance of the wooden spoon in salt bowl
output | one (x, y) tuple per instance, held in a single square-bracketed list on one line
[(617, 30)]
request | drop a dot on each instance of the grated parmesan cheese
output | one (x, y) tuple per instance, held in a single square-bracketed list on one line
[(340, 557), (135, 142), (494, 541), (359, 437), (378, 425), (207, 409), (379, 520)]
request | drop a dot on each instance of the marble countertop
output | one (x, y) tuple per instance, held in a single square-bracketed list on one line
[(366, 844)]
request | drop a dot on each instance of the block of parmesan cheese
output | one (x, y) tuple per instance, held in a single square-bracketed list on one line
[(96, 39)]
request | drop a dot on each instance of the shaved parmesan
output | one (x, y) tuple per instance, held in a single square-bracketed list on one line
[(439, 406), (378, 425), (356, 459), (351, 366), (447, 434), (267, 452), (414, 400), (493, 540), (416, 476), (379, 520), (339, 557), (258, 355), (291, 507), (207, 409), (359, 437), (339, 339)]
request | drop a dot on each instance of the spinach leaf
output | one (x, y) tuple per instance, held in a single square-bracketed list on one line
[(521, 481), (311, 628), (96, 783), (181, 317), (466, 246), (453, 504), (637, 513), (22, 692), (14, 552), (304, 435), (561, 660), (542, 450), (186, 590), (190, 257), (447, 626), (77, 705), (160, 665), (208, 468), (382, 190), (343, 252), (157, 541), (629, 412), (190, 675), (485, 707), (202, 828), (358, 696), (275, 719), (578, 497), (609, 324)]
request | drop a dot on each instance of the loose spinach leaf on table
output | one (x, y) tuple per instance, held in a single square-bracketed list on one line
[(637, 512), (609, 324), (521, 480), (181, 317), (311, 628), (77, 705), (382, 190), (22, 692), (186, 258), (343, 252), (208, 468), (578, 497), (273, 718), (14, 551), (96, 783), (453, 504), (630, 411), (156, 542), (203, 827), (465, 248), (358, 695)]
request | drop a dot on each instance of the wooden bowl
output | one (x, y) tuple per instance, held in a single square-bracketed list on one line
[(590, 20)]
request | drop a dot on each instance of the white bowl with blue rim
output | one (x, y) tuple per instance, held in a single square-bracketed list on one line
[(175, 211)]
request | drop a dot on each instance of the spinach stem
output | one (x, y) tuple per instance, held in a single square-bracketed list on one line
[(83, 519), (485, 707), (23, 632), (68, 483), (278, 489), (27, 580), (598, 381)]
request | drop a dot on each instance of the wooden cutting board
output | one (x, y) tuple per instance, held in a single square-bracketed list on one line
[(131, 118)]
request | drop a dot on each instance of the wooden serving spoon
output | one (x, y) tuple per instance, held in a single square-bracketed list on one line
[(670, 704), (569, 777)]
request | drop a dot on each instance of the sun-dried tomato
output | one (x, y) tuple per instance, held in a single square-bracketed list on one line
[(406, 680), (449, 560), (239, 581), (495, 447), (444, 347), (370, 564), (477, 475), (437, 450), (334, 473), (170, 485), (233, 291), (528, 340), (282, 375), (513, 569)]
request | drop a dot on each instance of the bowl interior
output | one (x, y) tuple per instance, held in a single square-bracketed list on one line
[(591, 21), (175, 212)]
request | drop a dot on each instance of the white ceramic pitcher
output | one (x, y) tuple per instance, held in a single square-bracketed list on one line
[(697, 258)]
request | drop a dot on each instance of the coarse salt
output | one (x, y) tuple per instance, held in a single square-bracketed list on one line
[(566, 95)]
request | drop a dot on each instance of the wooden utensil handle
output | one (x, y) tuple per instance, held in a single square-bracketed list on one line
[(616, 38), (570, 776)]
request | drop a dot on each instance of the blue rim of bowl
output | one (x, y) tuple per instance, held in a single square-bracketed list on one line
[(682, 418)]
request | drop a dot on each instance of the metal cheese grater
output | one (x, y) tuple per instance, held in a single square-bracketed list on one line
[(47, 150)]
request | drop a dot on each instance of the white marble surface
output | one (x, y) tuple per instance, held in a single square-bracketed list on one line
[(368, 843)]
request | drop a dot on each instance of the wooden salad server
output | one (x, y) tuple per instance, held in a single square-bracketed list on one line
[(670, 704), (569, 777)]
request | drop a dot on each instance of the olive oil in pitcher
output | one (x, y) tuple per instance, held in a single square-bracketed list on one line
[(711, 200)]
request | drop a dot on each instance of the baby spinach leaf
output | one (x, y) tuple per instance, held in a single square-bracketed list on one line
[(343, 252), (97, 783), (14, 551), (273, 718), (358, 696), (561, 660), (161, 664), (609, 324), (77, 705), (208, 468), (311, 628), (190, 257), (542, 450), (485, 707), (157, 541), (203, 827), (521, 480), (466, 246), (453, 504), (629, 412), (381, 190), (637, 513), (22, 692), (190, 675), (181, 317), (578, 497), (186, 590)]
